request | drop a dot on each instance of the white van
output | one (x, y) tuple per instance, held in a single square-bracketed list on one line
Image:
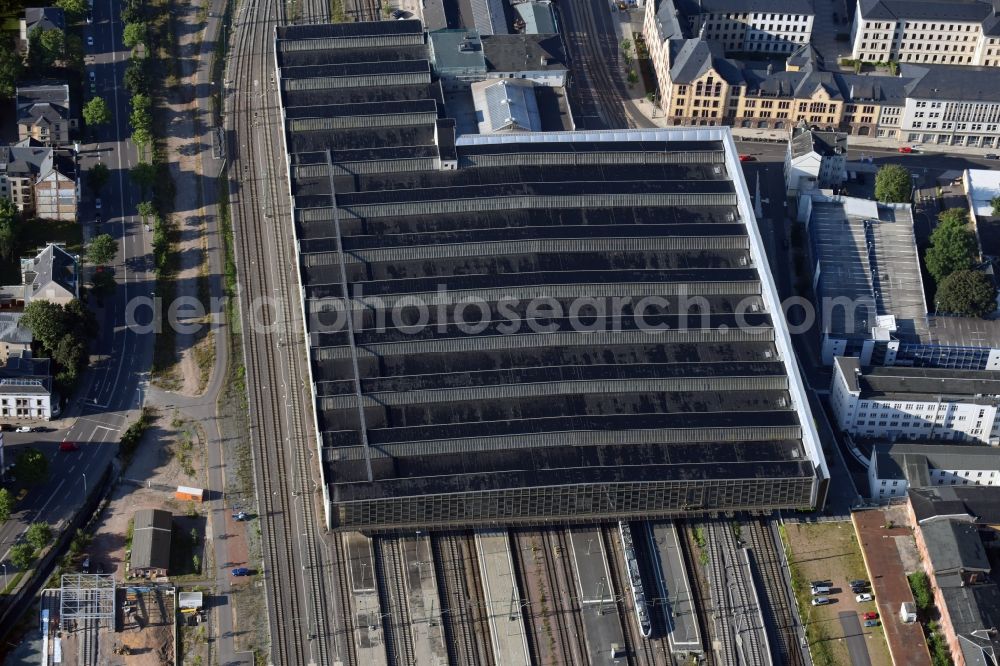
[(820, 601), (819, 589)]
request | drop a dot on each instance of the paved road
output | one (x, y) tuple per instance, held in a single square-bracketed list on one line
[(855, 638)]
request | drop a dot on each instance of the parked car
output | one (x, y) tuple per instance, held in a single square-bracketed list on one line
[(819, 589), (820, 601), (97, 203), (992, 156), (821, 583), (241, 571), (240, 516), (67, 445), (858, 583), (747, 158), (863, 597), (90, 40), (870, 615), (905, 149), (22, 429), (92, 75), (871, 623)]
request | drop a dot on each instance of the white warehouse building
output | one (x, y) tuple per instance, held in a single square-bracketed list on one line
[(915, 403), (897, 467)]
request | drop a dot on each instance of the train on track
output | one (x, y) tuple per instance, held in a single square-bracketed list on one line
[(635, 580)]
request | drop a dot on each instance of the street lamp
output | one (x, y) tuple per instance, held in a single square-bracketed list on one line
[(4, 565), (84, 475)]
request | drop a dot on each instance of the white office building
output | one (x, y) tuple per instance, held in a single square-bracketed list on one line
[(915, 403), (750, 26), (897, 467), (933, 32)]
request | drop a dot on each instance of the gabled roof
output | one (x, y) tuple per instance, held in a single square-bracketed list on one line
[(42, 103), (931, 10), (948, 82), (825, 144), (511, 106), (44, 18), (53, 265), (691, 58), (151, 532), (25, 158), (978, 502), (954, 546), (695, 7), (537, 16), (11, 330)]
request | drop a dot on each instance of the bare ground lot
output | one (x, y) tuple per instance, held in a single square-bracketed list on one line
[(829, 551)]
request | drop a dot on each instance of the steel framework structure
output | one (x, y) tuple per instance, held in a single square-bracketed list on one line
[(86, 597)]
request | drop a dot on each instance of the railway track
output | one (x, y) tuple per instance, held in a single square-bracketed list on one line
[(311, 11), (699, 598), (559, 555), (345, 600), (391, 581), (295, 589), (592, 54), (365, 10), (641, 651), (457, 572), (776, 605)]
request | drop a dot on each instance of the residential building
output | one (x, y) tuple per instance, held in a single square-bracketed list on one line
[(39, 180), (26, 388), (915, 403), (152, 530), (15, 338), (747, 26), (51, 275), (938, 32), (40, 18), (896, 467), (43, 113), (814, 159), (956, 529), (602, 422)]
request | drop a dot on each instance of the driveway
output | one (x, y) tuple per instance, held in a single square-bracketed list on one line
[(855, 638)]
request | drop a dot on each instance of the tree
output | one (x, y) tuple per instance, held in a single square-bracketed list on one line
[(133, 34), (96, 112), (75, 9), (9, 219), (146, 209), (80, 321), (142, 137), (966, 292), (6, 505), (135, 76), (53, 45), (97, 176), (22, 555), (953, 245), (921, 588), (104, 282), (893, 184), (102, 250), (39, 535), (995, 202), (144, 175), (47, 322), (10, 70), (31, 466)]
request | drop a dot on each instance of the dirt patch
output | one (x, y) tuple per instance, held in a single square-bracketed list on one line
[(829, 551)]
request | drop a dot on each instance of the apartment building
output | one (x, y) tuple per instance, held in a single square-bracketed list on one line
[(943, 32), (814, 159), (39, 180), (43, 113), (748, 26), (39, 18), (915, 403)]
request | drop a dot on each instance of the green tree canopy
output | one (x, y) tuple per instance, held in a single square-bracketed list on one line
[(46, 47), (10, 69), (9, 220), (96, 112), (969, 293), (47, 322), (6, 505), (75, 9), (953, 245), (142, 137), (102, 250), (135, 76), (97, 176), (995, 203), (39, 535), (893, 184), (144, 175), (133, 34), (921, 588), (22, 555), (146, 209), (103, 281), (31, 466)]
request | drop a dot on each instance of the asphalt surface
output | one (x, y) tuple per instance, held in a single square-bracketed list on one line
[(855, 638)]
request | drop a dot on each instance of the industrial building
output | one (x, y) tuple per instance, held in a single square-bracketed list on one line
[(527, 327)]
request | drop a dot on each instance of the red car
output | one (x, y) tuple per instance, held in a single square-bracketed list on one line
[(870, 615), (67, 445), (905, 149), (747, 158)]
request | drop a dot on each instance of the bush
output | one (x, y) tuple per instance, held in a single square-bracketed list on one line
[(22, 555), (921, 588), (31, 466)]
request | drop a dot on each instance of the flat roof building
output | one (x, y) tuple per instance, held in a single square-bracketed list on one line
[(897, 467), (477, 375)]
